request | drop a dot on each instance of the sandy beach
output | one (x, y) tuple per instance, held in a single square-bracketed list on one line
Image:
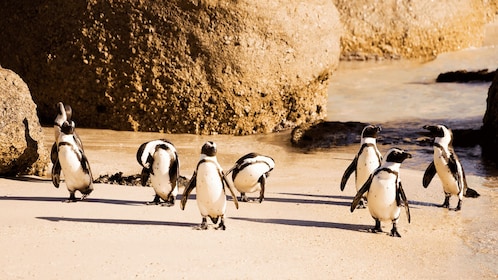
[(302, 230)]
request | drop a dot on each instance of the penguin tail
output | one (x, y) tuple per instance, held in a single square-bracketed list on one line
[(471, 193), (214, 219)]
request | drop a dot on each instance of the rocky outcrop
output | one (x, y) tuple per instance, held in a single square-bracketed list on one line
[(490, 123), (21, 137), (181, 66), (411, 29), (325, 134), (464, 76)]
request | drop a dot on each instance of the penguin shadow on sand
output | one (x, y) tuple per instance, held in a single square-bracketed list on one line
[(62, 199), (305, 223), (117, 221), (313, 199)]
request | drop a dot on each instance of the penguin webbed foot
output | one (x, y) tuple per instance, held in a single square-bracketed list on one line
[(377, 228), (446, 203), (156, 201), (394, 232), (459, 206), (362, 204), (203, 225), (72, 198), (170, 202), (244, 198), (221, 225)]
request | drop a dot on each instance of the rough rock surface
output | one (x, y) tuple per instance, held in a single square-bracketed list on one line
[(490, 123), (325, 134), (411, 29), (236, 67), (21, 137)]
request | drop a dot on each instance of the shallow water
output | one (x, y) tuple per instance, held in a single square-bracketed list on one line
[(403, 96)]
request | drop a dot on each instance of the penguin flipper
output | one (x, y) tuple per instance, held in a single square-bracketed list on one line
[(188, 190), (56, 174), (232, 193), (54, 155), (144, 176), (402, 197), (351, 168), (78, 141), (360, 192), (174, 171), (429, 174), (262, 183)]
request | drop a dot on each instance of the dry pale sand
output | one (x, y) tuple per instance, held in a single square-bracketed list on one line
[(303, 229)]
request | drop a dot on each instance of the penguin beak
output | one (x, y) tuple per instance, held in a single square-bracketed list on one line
[(408, 155), (431, 131)]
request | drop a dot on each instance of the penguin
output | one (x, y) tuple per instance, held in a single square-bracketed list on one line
[(160, 163), (73, 163), (385, 193), (446, 164), (365, 162), (210, 181), (249, 175), (64, 113)]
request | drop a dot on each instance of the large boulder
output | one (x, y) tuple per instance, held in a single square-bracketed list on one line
[(490, 123), (21, 137), (181, 66), (411, 29)]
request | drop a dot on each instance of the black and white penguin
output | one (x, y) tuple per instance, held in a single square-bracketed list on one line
[(64, 114), (446, 164), (73, 163), (210, 181), (160, 163), (365, 162), (249, 175), (385, 193)]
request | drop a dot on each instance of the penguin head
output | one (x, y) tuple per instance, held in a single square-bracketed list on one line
[(67, 127), (64, 113), (161, 146), (370, 131), (441, 133), (397, 155), (209, 149)]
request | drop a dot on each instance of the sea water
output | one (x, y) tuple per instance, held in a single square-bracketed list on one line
[(402, 96)]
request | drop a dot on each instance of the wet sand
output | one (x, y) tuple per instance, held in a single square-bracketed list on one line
[(303, 229)]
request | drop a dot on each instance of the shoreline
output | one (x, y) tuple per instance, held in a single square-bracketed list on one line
[(303, 229)]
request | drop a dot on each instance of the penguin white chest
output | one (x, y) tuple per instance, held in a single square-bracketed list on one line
[(160, 178), (450, 184), (70, 160), (382, 197), (211, 198), (368, 161), (247, 178)]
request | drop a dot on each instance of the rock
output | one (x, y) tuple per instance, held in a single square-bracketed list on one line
[(21, 137), (325, 134), (464, 76), (490, 123), (411, 29), (204, 67)]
